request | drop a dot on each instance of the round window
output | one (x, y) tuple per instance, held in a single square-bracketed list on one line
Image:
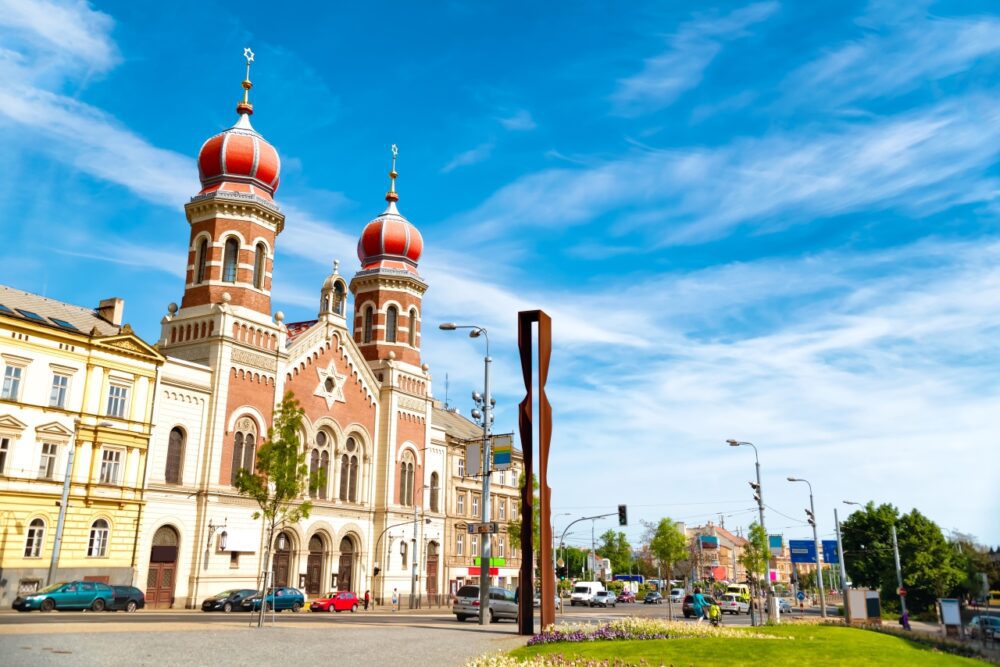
[(351, 444), (321, 439), (330, 384)]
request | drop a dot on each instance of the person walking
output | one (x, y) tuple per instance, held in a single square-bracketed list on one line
[(395, 599), (368, 597), (700, 605)]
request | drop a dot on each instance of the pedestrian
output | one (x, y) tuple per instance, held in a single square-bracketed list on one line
[(395, 599), (368, 597), (700, 605), (904, 620)]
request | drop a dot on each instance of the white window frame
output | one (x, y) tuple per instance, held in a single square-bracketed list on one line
[(475, 505), (474, 545), (50, 456), (500, 551), (34, 539), (501, 509), (118, 397), (98, 540), (111, 468), (63, 390), (460, 504), (13, 380), (459, 544), (461, 467)]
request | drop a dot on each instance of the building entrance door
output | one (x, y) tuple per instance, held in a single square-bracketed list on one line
[(282, 560), (160, 578), (345, 570), (432, 572), (314, 566)]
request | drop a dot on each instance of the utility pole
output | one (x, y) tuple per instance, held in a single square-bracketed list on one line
[(843, 568), (899, 572)]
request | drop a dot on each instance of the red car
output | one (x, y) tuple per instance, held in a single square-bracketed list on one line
[(626, 596), (337, 602)]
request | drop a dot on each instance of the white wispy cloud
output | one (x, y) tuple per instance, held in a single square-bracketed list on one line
[(681, 66), (520, 120), (921, 161), (902, 47), (470, 157)]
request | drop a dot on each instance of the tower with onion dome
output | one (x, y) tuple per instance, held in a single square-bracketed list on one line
[(388, 289)]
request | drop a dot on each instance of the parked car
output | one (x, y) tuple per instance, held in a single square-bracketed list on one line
[(502, 604), (626, 596), (227, 601), (653, 597), (731, 603), (677, 595), (338, 602), (584, 591), (603, 599), (538, 601), (68, 595), (127, 598), (988, 626), (688, 605), (278, 599), (784, 606)]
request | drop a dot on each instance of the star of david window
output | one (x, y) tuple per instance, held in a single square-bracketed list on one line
[(331, 385)]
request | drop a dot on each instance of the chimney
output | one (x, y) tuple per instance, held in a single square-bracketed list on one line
[(112, 310)]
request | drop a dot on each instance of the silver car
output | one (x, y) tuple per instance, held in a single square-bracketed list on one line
[(502, 604), (604, 599)]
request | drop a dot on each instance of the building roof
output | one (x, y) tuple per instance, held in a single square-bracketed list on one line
[(55, 314), (455, 424), (296, 329)]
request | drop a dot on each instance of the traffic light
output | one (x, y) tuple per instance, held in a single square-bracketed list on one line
[(561, 572), (756, 491), (622, 515), (812, 519)]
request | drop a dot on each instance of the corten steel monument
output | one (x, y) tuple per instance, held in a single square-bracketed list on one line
[(526, 623)]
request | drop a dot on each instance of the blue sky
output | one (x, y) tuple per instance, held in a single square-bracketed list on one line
[(769, 221)]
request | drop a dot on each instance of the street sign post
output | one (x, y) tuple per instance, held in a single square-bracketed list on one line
[(830, 552), (802, 551), (488, 528), (800, 596)]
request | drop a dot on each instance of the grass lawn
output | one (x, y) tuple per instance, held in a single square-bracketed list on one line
[(811, 646)]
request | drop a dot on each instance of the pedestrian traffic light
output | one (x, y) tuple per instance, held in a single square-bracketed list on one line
[(622, 515)]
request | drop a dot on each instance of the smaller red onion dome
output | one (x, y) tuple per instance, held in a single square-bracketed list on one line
[(390, 240)]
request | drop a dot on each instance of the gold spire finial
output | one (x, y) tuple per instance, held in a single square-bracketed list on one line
[(391, 194), (245, 107)]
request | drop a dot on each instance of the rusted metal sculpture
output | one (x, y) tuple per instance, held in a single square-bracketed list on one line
[(526, 622)]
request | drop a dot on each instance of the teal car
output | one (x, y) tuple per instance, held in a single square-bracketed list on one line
[(68, 596), (278, 599)]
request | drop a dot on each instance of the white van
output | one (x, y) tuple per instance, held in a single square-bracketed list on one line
[(584, 591)]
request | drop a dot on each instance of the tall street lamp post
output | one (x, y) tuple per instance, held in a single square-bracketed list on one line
[(819, 569), (486, 401), (772, 609), (843, 568)]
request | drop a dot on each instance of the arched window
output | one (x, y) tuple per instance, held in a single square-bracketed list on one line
[(175, 456), (339, 298), (36, 535), (97, 546), (201, 261), (244, 442), (434, 492), (314, 473), (345, 473), (366, 331), (230, 259), (413, 327), (258, 266), (406, 480), (352, 465), (391, 318), (324, 466)]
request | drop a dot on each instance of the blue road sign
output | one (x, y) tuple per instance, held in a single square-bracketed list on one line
[(830, 552), (802, 551), (800, 596)]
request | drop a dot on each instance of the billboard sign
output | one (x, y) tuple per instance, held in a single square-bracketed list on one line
[(775, 543), (503, 448), (802, 551)]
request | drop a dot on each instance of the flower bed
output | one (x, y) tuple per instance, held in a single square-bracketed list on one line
[(639, 628)]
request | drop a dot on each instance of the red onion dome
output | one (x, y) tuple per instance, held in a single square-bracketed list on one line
[(390, 241), (239, 160)]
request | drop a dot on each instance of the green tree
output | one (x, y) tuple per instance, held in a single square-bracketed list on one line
[(928, 564), (514, 525), (280, 476), (668, 545), (756, 555), (614, 546)]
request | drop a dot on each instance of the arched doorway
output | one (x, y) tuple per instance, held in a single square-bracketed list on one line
[(282, 559), (345, 571), (314, 565), (162, 568), (432, 572)]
